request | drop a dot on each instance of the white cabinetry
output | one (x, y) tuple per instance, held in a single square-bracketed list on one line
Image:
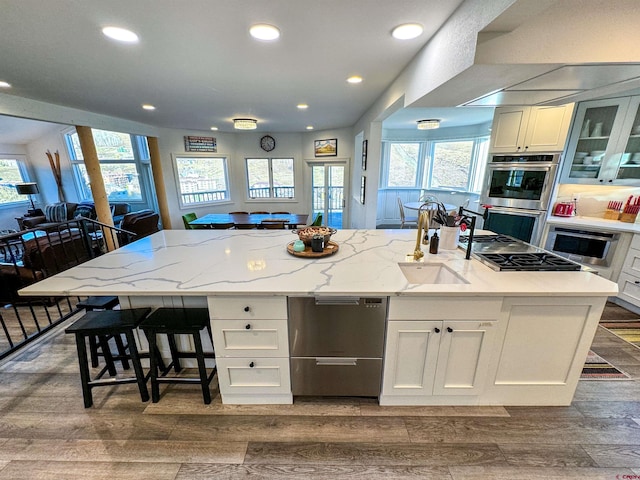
[(426, 358), (530, 129), (629, 279), (604, 146), (250, 337)]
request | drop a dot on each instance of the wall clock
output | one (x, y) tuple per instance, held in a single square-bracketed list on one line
[(267, 143)]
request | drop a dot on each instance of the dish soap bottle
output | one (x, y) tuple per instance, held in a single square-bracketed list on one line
[(433, 243)]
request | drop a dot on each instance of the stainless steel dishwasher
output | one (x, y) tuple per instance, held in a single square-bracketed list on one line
[(336, 345)]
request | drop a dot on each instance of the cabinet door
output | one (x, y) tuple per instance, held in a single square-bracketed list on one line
[(508, 129), (593, 150), (463, 358), (626, 161), (410, 357), (548, 128)]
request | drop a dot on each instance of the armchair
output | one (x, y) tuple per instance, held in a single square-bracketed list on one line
[(142, 223)]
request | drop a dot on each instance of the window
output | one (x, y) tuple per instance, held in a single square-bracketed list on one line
[(436, 164), (201, 179), (121, 158), (12, 171), (270, 178)]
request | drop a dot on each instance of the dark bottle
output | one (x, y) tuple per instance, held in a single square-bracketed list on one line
[(433, 243)]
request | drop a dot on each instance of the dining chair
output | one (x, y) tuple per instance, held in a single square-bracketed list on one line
[(259, 213), (403, 218), (280, 213), (190, 217), (273, 224), (246, 226), (238, 213)]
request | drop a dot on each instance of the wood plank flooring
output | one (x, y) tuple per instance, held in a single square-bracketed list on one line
[(46, 434)]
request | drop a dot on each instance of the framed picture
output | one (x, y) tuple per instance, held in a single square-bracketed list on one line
[(326, 148), (363, 188), (364, 154)]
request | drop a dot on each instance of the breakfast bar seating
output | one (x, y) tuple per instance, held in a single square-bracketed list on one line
[(104, 324), (172, 322)]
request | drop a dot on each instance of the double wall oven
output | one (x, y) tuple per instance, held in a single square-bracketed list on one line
[(518, 189)]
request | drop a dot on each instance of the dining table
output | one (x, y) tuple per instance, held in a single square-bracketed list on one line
[(291, 219), (416, 206)]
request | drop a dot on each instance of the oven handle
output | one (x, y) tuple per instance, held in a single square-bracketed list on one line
[(518, 211), (583, 234)]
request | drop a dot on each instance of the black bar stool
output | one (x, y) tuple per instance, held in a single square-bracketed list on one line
[(104, 324), (102, 303), (179, 321)]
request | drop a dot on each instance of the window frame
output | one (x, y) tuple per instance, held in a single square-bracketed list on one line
[(424, 164), (141, 161), (25, 174), (179, 193), (271, 197)]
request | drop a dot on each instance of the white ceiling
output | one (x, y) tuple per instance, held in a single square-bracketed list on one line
[(198, 65)]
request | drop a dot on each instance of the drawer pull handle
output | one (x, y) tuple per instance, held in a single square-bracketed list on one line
[(251, 365), (449, 329), (247, 309), (248, 326), (637, 282), (437, 330)]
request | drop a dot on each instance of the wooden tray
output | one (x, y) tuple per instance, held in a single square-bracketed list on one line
[(308, 253)]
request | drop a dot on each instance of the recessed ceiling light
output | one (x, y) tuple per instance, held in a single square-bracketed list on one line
[(120, 34), (354, 79), (303, 106), (262, 31), (214, 129), (147, 106), (407, 31), (309, 127), (5, 84)]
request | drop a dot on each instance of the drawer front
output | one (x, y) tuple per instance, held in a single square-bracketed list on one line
[(253, 375), (250, 338), (629, 288), (635, 242), (336, 376), (248, 308), (632, 262), (444, 308)]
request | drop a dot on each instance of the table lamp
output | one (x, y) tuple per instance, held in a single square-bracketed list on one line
[(28, 189)]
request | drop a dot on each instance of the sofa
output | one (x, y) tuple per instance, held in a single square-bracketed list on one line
[(57, 213), (37, 255)]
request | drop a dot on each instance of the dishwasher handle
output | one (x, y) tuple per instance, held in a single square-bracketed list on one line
[(336, 361), (337, 300)]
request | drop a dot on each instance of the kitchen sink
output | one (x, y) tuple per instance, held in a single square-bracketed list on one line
[(432, 273)]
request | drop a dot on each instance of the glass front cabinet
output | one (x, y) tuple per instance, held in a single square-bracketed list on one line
[(604, 146)]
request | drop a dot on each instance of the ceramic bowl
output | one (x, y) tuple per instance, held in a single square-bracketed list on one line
[(597, 153), (580, 154)]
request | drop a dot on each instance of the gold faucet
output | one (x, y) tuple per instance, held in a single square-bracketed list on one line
[(422, 218)]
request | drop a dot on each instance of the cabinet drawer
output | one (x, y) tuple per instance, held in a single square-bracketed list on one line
[(253, 375), (632, 262), (635, 242), (450, 308), (629, 288), (246, 338), (248, 307)]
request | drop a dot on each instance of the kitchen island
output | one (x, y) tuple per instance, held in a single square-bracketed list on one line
[(474, 336)]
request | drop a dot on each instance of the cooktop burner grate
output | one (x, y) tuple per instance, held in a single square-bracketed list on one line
[(489, 239), (529, 261)]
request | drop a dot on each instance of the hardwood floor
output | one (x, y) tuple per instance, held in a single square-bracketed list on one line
[(45, 433)]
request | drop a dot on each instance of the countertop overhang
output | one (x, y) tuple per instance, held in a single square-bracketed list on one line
[(256, 262)]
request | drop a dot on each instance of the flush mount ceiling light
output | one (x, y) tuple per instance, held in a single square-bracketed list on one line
[(407, 31), (245, 123), (428, 124), (262, 31), (120, 34), (303, 106), (354, 79), (5, 84)]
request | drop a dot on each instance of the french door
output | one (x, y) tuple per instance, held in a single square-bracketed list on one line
[(328, 195)]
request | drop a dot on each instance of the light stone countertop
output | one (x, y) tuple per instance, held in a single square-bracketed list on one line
[(594, 222), (256, 262)]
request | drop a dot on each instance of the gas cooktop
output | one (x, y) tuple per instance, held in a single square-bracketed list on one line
[(505, 253), (533, 262)]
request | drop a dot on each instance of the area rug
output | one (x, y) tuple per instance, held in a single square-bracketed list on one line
[(628, 331), (597, 368)]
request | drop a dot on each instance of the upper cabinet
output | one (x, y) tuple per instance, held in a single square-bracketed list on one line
[(604, 147), (530, 129)]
